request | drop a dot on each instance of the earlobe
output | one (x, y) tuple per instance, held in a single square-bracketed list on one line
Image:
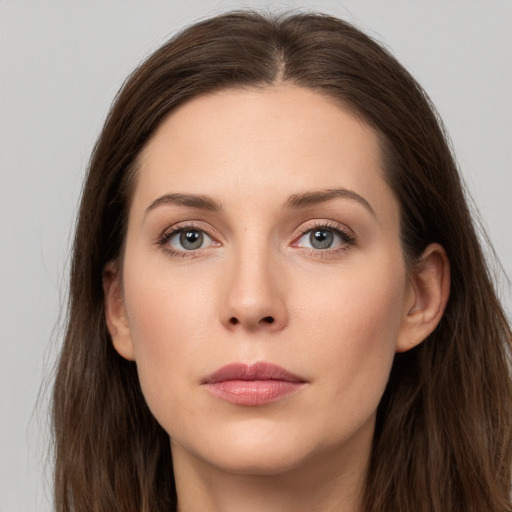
[(115, 314), (430, 287)]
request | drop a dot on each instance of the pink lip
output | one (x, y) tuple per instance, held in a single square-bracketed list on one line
[(252, 385)]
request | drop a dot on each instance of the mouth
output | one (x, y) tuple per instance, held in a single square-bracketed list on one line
[(252, 385)]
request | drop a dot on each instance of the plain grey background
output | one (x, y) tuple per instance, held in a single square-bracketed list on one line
[(61, 62)]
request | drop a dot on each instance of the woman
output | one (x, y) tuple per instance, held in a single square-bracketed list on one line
[(278, 300)]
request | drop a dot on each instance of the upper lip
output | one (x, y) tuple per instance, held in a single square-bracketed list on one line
[(256, 371)]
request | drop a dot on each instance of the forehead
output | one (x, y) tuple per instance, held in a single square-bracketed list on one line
[(283, 139)]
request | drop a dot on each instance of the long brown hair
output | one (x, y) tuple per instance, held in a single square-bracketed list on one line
[(443, 438)]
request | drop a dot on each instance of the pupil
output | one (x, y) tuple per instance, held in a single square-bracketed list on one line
[(191, 239), (321, 239)]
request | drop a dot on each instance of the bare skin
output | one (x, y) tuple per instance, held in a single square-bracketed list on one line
[(262, 230)]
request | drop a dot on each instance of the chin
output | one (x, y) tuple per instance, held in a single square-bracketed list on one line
[(260, 448), (258, 460)]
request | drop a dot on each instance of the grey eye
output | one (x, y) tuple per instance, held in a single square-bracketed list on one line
[(321, 238), (190, 240)]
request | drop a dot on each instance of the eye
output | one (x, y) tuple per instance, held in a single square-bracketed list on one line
[(188, 239), (323, 238)]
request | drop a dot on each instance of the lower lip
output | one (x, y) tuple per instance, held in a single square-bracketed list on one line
[(253, 392)]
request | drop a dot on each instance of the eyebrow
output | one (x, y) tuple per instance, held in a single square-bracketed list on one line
[(306, 199), (296, 201), (200, 202)]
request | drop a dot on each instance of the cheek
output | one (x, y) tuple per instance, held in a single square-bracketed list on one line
[(164, 302), (355, 325), (362, 302), (168, 322)]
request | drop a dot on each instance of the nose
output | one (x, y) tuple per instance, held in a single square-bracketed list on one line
[(254, 294)]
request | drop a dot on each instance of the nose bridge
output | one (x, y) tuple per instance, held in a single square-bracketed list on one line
[(254, 293)]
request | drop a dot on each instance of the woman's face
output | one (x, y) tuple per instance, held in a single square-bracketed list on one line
[(262, 233)]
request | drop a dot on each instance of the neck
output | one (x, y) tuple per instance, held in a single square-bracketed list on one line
[(321, 484)]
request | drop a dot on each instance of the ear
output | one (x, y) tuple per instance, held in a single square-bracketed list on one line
[(429, 292), (115, 314)]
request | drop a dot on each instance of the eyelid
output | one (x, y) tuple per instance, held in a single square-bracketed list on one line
[(172, 230), (341, 229), (347, 240)]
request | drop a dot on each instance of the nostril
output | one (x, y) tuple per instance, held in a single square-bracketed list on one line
[(267, 320)]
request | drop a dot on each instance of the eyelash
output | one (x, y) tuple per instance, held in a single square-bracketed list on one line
[(167, 235), (346, 235), (341, 231)]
